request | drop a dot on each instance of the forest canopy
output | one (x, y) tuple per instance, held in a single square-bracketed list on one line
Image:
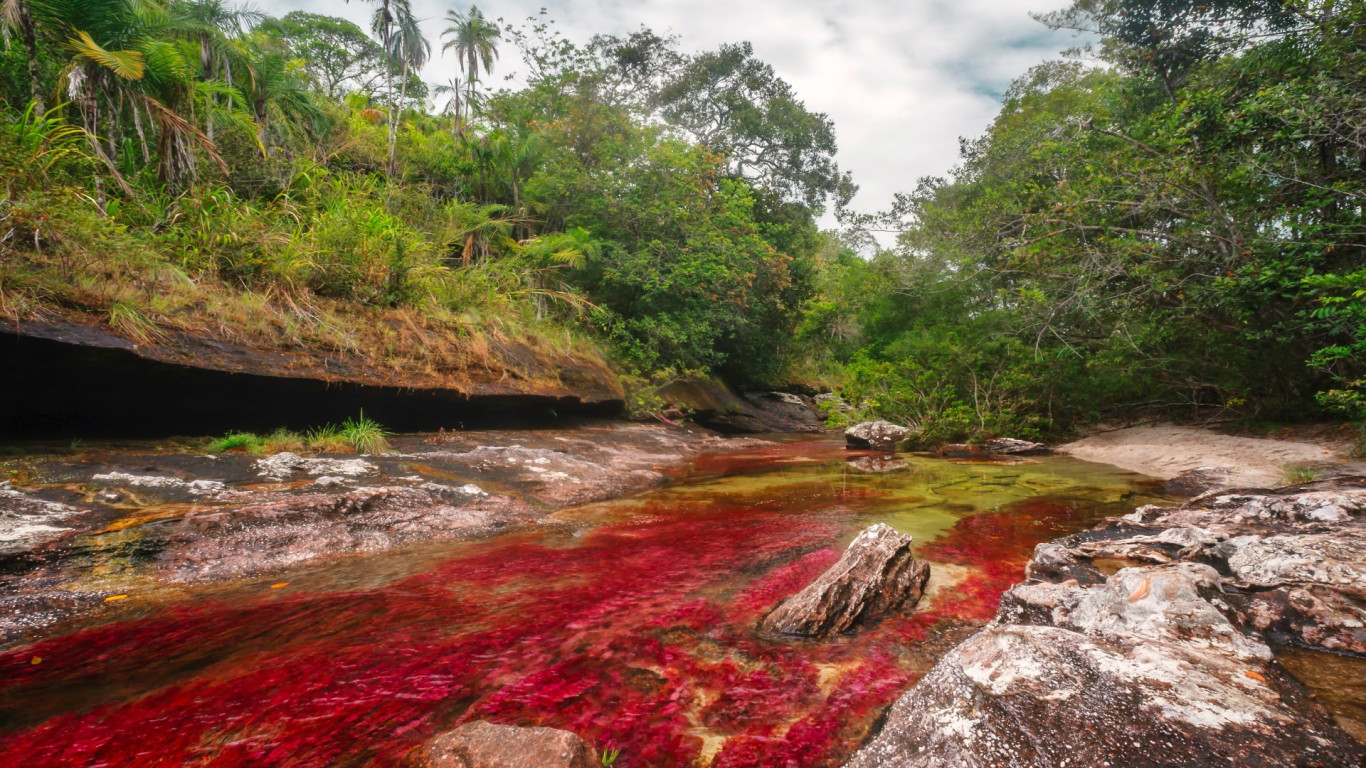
[(1168, 220)]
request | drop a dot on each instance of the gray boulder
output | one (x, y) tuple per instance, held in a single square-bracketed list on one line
[(1144, 670), (878, 575), (877, 436)]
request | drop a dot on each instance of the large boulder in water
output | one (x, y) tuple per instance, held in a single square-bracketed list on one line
[(485, 745), (877, 436), (1143, 671), (878, 575)]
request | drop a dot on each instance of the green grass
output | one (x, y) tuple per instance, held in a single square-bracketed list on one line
[(359, 435), (365, 435), (1298, 475), (245, 442)]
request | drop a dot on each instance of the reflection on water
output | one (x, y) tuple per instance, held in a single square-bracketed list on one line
[(629, 622), (1338, 682)]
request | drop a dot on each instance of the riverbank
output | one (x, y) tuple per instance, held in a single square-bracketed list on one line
[(1212, 459), (94, 524)]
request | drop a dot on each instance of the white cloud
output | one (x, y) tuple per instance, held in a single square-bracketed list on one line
[(902, 80)]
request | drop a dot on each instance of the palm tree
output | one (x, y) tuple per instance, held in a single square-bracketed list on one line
[(382, 24), (408, 48), (475, 40), (218, 28), (15, 14), (135, 57), (455, 105)]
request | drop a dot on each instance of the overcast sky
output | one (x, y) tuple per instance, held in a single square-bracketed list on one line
[(902, 79)]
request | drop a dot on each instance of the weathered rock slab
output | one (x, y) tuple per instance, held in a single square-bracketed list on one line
[(1045, 697), (1297, 559), (877, 436), (1165, 663), (878, 575), (1144, 670), (486, 745)]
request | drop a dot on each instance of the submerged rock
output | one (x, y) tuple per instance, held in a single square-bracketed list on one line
[(1194, 482), (877, 436), (485, 745), (876, 465), (284, 465), (1009, 446), (878, 575)]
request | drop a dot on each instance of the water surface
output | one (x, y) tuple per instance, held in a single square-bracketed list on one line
[(629, 622)]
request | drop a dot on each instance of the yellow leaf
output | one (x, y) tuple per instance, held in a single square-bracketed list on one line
[(112, 598), (281, 584)]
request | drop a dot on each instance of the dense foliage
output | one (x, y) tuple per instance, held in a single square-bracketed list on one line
[(1177, 227), (188, 163), (1171, 222)]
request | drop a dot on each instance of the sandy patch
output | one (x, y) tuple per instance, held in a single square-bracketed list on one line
[(1167, 451)]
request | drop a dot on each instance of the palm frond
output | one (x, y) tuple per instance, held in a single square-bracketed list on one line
[(128, 65)]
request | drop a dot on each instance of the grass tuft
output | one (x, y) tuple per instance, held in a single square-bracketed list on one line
[(1299, 474), (358, 435), (243, 442), (365, 435)]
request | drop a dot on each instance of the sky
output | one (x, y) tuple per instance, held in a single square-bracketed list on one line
[(902, 79)]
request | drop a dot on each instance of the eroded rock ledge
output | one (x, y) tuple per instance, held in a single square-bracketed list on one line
[(1165, 662), (157, 519)]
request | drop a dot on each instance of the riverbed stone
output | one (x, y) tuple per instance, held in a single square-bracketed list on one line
[(1009, 446), (257, 538), (1143, 670), (878, 575), (27, 521), (483, 744), (1296, 559), (877, 436)]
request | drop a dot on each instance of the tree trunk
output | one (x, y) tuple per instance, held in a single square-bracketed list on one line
[(393, 123), (389, 85), (142, 136), (26, 31)]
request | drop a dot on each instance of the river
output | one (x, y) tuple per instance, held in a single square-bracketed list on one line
[(630, 622)]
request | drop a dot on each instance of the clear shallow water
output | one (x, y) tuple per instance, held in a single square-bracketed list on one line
[(628, 622)]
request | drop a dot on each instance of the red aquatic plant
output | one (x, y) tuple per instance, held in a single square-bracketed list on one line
[(640, 635)]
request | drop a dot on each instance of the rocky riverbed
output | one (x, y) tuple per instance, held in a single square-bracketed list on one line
[(1151, 640), (86, 527)]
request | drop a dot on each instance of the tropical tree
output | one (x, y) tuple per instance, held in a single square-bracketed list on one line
[(475, 41), (409, 50), (453, 106), (219, 29), (382, 24), (336, 53), (16, 15)]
